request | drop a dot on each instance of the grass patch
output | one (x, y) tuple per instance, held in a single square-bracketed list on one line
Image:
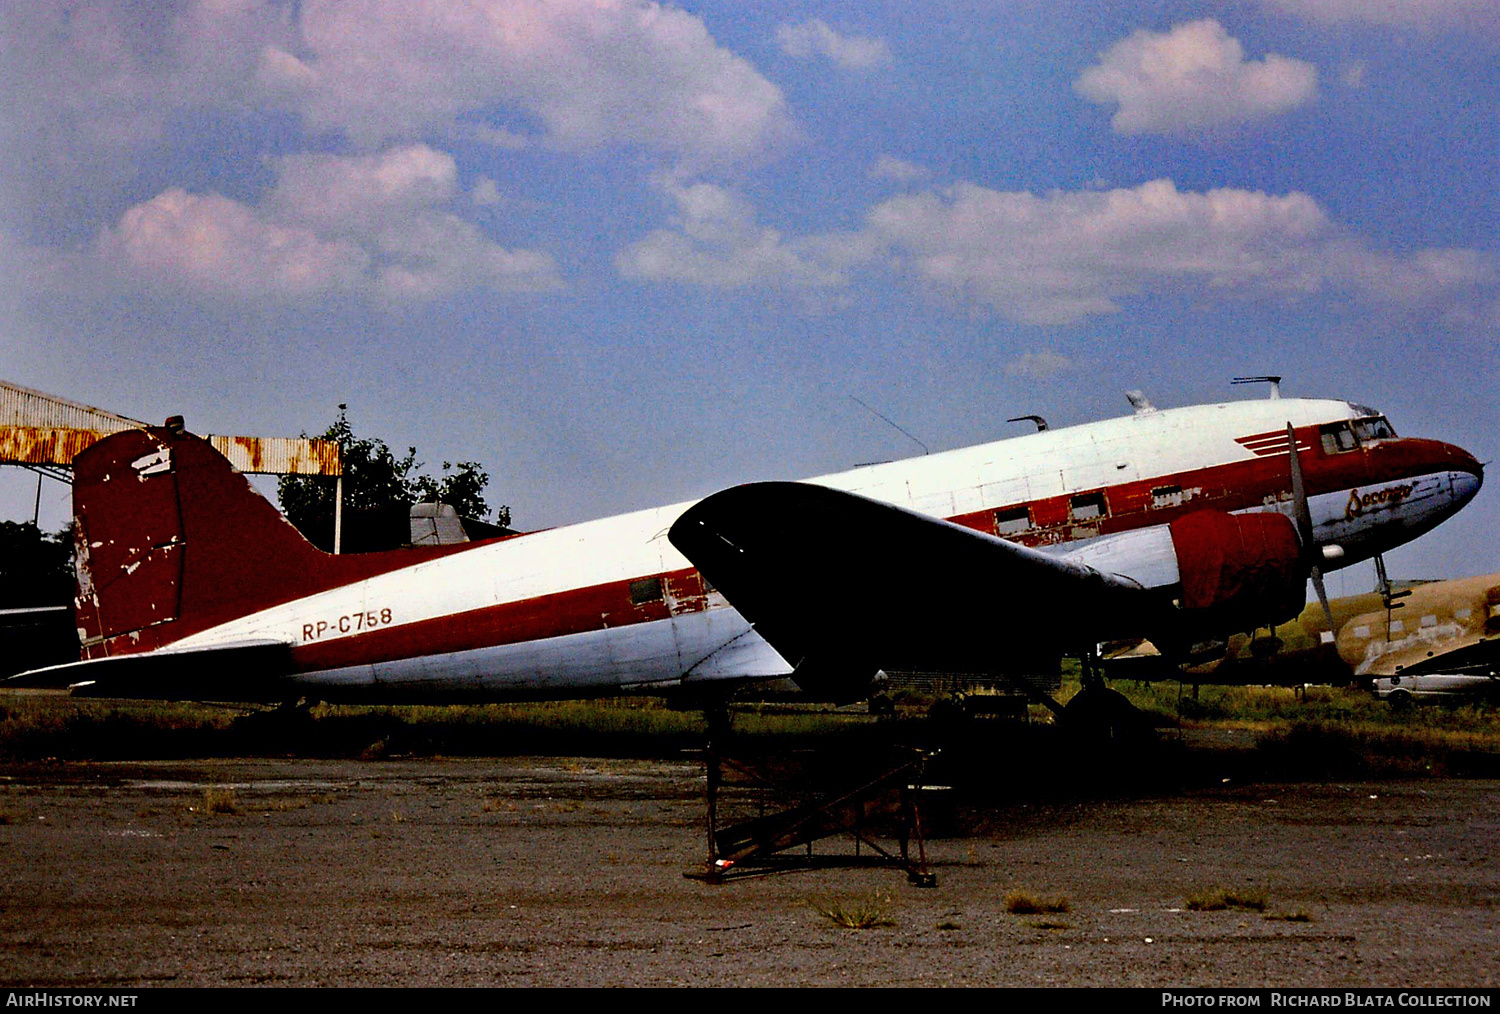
[(1320, 733), (219, 800), (44, 726), (1310, 749), (1221, 899), (868, 914), (36, 726), (1025, 903)]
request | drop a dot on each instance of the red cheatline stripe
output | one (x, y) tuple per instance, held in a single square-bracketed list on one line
[(576, 611), (1236, 485), (1267, 444)]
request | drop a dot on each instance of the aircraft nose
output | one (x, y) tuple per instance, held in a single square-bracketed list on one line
[(1466, 462), (1464, 471)]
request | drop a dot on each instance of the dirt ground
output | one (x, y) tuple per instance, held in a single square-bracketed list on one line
[(537, 871)]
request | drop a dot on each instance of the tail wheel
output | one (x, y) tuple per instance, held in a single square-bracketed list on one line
[(1400, 700)]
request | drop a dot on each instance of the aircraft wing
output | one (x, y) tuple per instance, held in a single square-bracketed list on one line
[(1473, 649), (239, 671), (843, 586)]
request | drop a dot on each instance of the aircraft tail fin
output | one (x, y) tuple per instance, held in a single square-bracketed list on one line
[(172, 540)]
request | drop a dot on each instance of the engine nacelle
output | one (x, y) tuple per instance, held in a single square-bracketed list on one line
[(1239, 570)]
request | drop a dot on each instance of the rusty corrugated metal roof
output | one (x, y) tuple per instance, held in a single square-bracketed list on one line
[(21, 406), (43, 445), (43, 429), (280, 455)]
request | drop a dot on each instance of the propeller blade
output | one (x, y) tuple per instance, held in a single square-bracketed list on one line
[(1317, 581), (1303, 517)]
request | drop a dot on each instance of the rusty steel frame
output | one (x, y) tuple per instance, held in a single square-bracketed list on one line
[(55, 447)]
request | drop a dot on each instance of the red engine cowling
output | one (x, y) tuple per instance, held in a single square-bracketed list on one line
[(1242, 570)]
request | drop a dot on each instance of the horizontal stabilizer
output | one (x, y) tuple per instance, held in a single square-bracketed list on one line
[(239, 671)]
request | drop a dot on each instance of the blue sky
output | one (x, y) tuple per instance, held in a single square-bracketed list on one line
[(624, 254)]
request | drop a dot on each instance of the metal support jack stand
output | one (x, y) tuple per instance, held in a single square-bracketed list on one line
[(758, 846)]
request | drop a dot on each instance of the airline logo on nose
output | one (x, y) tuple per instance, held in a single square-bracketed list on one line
[(1359, 502)]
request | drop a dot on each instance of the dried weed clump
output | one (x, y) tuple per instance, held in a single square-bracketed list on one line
[(219, 799), (870, 913), (1026, 903), (1220, 899)]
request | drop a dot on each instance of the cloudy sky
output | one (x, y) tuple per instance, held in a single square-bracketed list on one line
[(624, 253)]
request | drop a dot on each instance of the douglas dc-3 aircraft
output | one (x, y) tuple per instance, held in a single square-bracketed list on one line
[(1179, 525)]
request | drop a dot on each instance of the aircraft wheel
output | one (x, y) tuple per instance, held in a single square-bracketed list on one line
[(1105, 715), (1400, 700)]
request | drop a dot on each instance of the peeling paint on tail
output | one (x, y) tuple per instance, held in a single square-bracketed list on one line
[(188, 544)]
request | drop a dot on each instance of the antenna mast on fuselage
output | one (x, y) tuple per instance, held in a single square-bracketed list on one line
[(1275, 383)]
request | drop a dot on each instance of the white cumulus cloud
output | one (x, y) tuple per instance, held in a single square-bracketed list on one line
[(1067, 255), (583, 73), (814, 37), (713, 239), (1064, 256), (361, 192), (210, 243), (88, 86), (1192, 77), (380, 225)]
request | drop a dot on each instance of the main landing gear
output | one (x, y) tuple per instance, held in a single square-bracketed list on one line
[(1101, 715)]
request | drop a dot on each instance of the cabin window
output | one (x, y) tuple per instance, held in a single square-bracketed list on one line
[(1012, 521), (647, 589), (1338, 438), (1086, 506), (1166, 496), (1373, 429)]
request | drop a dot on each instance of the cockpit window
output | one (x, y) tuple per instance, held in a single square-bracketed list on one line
[(1337, 438), (1373, 429)]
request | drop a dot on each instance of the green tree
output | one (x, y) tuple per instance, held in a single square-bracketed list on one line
[(462, 488), (379, 484), (36, 569)]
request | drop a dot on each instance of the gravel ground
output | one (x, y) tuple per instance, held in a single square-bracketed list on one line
[(540, 871)]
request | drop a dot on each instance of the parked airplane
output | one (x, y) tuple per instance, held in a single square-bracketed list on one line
[(1180, 525), (1429, 627), (1417, 626)]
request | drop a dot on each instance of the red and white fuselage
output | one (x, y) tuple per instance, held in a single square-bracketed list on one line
[(610, 605)]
